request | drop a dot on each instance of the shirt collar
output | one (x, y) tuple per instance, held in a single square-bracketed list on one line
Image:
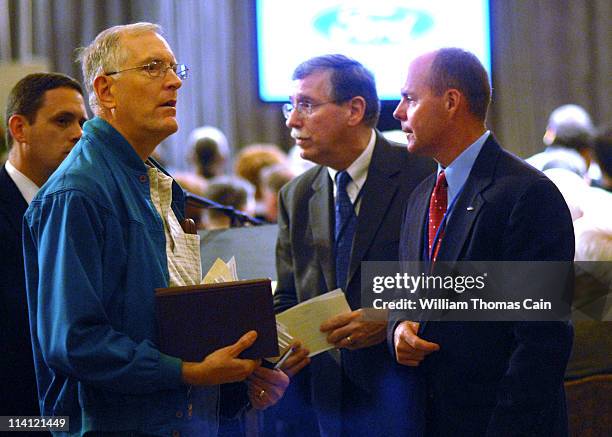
[(459, 170), (27, 188), (358, 170)]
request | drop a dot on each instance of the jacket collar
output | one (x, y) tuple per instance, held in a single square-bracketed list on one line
[(114, 142), (470, 202)]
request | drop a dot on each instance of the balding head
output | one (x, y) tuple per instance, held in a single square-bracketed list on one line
[(461, 70)]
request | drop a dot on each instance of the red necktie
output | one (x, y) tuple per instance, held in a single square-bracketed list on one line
[(437, 209)]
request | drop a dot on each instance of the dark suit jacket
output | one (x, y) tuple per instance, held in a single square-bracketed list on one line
[(503, 378), (17, 380), (306, 268)]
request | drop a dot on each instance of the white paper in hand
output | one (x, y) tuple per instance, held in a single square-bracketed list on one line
[(304, 320)]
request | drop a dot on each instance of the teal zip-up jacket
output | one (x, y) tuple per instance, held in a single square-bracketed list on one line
[(95, 250)]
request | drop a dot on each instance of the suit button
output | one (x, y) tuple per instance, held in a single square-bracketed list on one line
[(179, 414), (175, 433), (143, 178)]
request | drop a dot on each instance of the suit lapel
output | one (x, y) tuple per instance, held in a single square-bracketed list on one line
[(414, 221), (470, 202), (12, 201), (321, 213), (378, 191)]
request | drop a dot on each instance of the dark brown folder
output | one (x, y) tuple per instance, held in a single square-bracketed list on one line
[(196, 320)]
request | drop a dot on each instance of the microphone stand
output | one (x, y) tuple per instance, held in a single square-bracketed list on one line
[(237, 217)]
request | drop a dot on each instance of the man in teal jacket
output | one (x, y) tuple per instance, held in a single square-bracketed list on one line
[(99, 237)]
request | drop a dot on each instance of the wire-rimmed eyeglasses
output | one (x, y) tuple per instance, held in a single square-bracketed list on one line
[(157, 69), (304, 109)]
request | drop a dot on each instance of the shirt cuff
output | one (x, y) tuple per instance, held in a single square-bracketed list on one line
[(170, 369)]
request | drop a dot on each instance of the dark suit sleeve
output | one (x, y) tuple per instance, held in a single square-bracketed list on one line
[(540, 226), (532, 387), (285, 294), (409, 233), (540, 229)]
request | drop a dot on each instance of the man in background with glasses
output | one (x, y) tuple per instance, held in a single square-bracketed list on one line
[(101, 235), (332, 116)]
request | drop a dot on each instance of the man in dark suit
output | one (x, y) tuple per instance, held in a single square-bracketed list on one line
[(482, 378), (44, 116), (332, 116)]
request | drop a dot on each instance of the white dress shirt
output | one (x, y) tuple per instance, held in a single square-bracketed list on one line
[(358, 171), (27, 188)]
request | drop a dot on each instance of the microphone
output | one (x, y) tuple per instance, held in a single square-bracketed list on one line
[(237, 217)]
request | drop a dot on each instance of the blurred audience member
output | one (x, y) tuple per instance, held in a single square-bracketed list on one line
[(592, 351), (210, 151), (272, 180), (572, 187), (194, 184), (603, 156), (593, 241), (249, 163), (568, 138), (586, 203), (591, 209), (228, 191)]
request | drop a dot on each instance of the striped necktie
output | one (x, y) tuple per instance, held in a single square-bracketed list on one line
[(346, 222)]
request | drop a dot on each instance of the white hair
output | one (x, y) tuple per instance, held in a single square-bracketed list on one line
[(105, 54)]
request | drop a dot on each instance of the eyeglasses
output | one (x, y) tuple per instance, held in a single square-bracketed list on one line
[(304, 109), (158, 69)]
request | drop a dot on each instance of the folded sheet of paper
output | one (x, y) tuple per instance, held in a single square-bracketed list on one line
[(303, 320), (221, 271)]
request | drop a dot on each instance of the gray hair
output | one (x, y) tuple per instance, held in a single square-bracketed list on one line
[(105, 54), (348, 78)]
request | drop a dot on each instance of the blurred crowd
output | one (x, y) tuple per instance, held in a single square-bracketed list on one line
[(248, 181)]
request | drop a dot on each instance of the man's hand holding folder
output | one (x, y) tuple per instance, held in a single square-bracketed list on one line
[(200, 322), (223, 365), (266, 387)]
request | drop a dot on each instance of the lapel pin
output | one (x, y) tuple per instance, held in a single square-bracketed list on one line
[(470, 208)]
